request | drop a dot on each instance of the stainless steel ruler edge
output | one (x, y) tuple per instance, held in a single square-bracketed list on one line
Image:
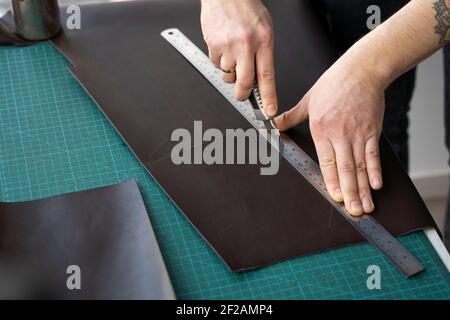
[(373, 231)]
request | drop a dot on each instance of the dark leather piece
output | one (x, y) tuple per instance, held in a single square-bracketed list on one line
[(105, 231), (147, 89)]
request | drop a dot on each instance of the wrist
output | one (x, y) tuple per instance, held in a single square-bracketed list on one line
[(370, 64)]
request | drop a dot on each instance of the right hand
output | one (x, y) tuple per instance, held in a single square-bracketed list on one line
[(345, 108), (239, 36)]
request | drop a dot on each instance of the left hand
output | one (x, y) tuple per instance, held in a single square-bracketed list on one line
[(345, 109)]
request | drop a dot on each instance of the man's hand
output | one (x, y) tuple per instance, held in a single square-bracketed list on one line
[(240, 40), (345, 109)]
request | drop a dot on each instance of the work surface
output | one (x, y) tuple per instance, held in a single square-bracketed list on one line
[(54, 139)]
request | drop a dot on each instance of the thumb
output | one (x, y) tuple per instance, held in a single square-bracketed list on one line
[(296, 115)]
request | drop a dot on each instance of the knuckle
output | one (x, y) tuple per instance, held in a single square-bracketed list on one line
[(350, 193), (245, 85), (371, 128), (240, 94), (267, 74), (350, 196), (244, 36), (342, 131), (331, 185), (346, 166), (373, 153), (226, 44), (345, 127), (213, 43), (327, 163), (212, 55), (317, 125), (214, 61), (227, 79), (269, 98), (363, 188), (374, 172), (239, 97), (360, 166), (284, 118), (363, 193), (207, 39), (266, 37)]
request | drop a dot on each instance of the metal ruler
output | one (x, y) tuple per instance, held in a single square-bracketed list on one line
[(374, 232)]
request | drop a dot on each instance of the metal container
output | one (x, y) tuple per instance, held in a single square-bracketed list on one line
[(36, 19)]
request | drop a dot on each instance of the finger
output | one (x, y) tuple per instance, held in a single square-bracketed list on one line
[(214, 56), (327, 163), (362, 177), (372, 155), (228, 63), (245, 76), (294, 116), (347, 177), (266, 80)]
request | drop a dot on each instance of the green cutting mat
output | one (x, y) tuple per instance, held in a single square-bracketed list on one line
[(54, 139)]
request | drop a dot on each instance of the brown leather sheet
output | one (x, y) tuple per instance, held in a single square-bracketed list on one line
[(147, 89), (106, 232)]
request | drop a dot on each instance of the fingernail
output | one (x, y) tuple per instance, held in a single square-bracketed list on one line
[(376, 182), (270, 109), (356, 207), (338, 193), (367, 204)]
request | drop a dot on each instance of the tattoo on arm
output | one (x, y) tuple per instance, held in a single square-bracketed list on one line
[(442, 28)]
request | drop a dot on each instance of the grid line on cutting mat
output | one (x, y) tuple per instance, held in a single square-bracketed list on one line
[(54, 139)]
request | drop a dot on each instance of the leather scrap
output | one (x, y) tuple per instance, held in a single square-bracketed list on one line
[(105, 232), (147, 89)]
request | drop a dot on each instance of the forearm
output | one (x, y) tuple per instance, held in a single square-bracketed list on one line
[(405, 39)]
